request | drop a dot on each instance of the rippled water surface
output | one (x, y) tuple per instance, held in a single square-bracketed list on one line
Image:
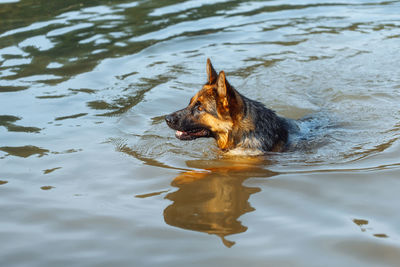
[(90, 175)]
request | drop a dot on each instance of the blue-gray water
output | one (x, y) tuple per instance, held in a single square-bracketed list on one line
[(90, 175)]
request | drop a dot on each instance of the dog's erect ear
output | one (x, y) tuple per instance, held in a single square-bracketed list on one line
[(211, 73), (222, 86), (229, 99)]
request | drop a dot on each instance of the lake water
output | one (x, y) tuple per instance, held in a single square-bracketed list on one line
[(90, 174)]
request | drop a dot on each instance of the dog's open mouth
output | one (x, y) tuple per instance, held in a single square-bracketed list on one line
[(192, 134)]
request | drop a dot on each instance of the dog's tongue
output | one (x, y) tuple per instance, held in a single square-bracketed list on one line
[(178, 134)]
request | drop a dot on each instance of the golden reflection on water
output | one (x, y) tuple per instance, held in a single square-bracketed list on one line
[(24, 151), (213, 199), (363, 224)]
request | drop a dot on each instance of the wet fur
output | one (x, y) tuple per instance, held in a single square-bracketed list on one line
[(238, 124)]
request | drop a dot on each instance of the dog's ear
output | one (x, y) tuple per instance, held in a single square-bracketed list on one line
[(229, 99), (222, 86), (211, 73)]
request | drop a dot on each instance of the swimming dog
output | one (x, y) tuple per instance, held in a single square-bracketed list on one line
[(238, 124)]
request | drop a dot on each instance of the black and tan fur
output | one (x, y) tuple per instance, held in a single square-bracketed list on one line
[(238, 124)]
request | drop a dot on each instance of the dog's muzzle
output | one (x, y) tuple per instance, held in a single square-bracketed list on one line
[(185, 133)]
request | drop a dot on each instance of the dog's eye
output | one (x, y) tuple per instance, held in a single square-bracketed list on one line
[(198, 106)]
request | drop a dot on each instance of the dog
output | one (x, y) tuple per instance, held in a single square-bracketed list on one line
[(238, 124)]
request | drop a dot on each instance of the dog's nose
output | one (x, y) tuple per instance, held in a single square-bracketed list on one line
[(169, 118)]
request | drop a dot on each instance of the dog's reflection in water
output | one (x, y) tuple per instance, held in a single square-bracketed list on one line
[(211, 201)]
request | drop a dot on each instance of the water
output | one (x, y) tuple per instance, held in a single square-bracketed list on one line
[(90, 175)]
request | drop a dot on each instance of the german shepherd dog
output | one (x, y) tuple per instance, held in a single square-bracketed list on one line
[(238, 124)]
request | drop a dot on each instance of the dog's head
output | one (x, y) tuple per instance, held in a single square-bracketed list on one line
[(212, 112)]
